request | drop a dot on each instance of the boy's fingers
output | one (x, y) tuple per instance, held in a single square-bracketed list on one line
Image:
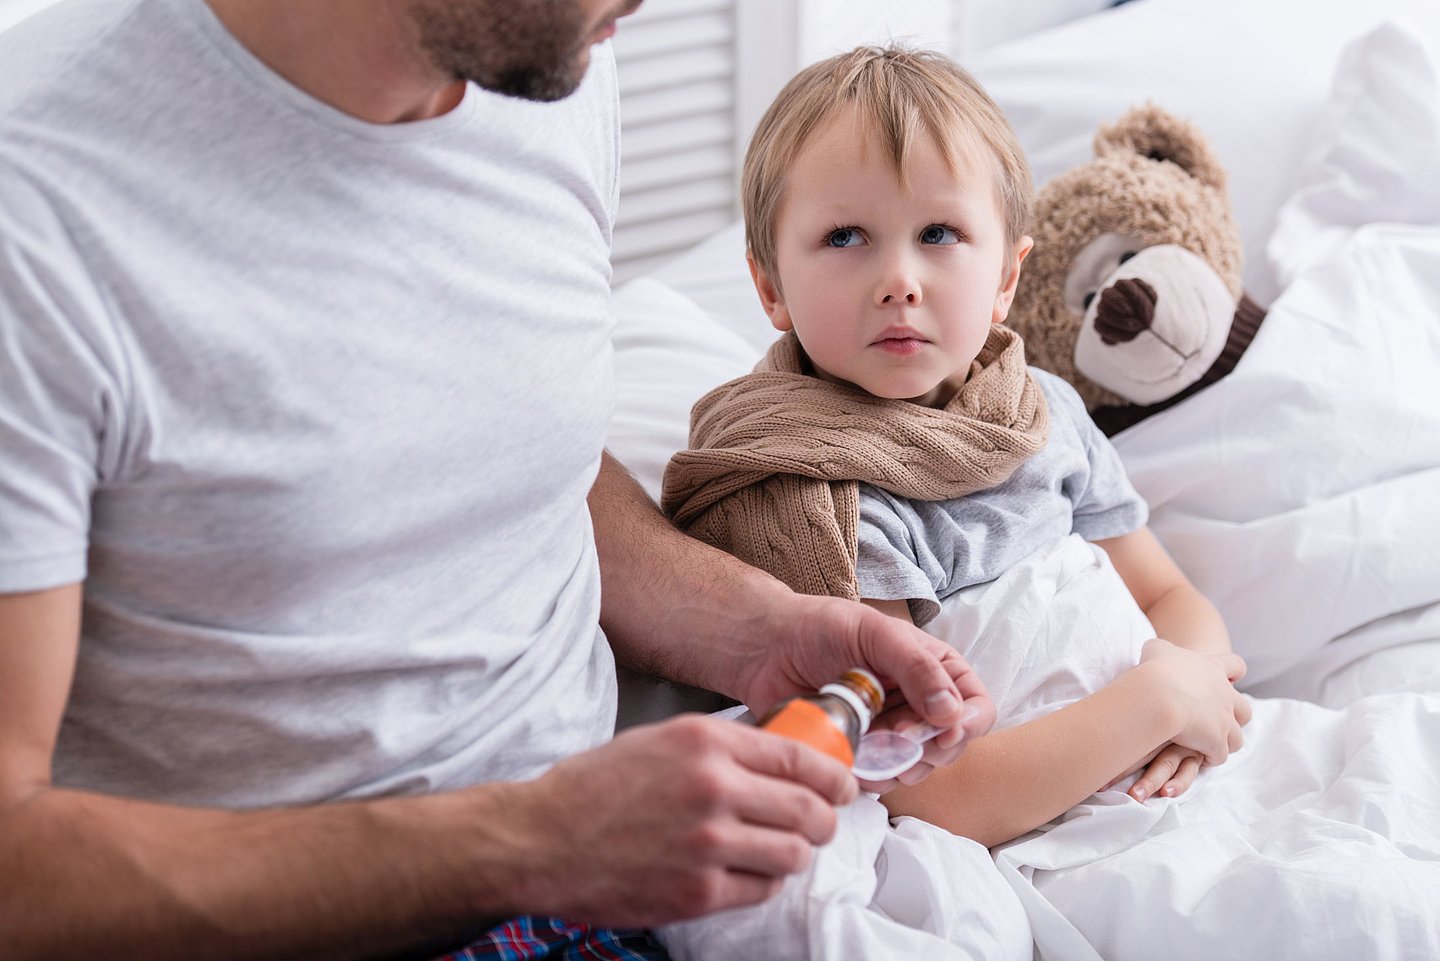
[(1234, 666), (1184, 777), (1244, 710), (1160, 771)]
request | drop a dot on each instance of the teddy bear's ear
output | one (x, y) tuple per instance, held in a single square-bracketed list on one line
[(1157, 135)]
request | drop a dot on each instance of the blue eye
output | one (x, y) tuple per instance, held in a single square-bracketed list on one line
[(843, 237), (939, 234)]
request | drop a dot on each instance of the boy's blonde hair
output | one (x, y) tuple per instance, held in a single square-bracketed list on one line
[(898, 94)]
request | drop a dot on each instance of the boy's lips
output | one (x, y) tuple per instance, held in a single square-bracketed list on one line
[(899, 340)]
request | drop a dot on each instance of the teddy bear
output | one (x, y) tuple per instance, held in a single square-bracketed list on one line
[(1133, 290)]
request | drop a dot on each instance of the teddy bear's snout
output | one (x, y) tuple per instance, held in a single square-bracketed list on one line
[(1127, 308)]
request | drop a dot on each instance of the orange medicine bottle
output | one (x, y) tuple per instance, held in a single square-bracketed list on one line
[(833, 720)]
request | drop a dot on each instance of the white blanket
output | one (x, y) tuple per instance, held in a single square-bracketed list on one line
[(1320, 839), (877, 893), (916, 891)]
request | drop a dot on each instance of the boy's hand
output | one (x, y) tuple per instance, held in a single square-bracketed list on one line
[(1202, 690), (1168, 774)]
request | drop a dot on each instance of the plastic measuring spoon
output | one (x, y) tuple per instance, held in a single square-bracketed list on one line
[(886, 754)]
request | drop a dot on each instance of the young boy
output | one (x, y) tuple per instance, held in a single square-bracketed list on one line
[(893, 446)]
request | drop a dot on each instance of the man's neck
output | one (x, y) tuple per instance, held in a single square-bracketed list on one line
[(362, 57)]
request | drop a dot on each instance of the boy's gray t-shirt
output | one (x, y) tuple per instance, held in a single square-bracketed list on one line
[(310, 405), (924, 551)]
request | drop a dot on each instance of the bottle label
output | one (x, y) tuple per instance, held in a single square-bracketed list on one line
[(809, 724)]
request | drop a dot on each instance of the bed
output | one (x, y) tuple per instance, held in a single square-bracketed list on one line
[(1301, 493)]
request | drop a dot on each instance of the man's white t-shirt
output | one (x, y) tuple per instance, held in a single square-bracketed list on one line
[(311, 406)]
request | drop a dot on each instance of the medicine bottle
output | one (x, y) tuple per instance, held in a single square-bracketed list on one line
[(833, 720)]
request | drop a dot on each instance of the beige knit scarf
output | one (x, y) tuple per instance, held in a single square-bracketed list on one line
[(776, 456)]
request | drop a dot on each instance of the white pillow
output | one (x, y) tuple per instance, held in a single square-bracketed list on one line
[(714, 274), (1380, 160), (1302, 492), (1253, 74)]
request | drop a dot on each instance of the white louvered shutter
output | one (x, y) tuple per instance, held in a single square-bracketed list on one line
[(676, 61)]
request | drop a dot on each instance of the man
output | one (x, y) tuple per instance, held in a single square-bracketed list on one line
[(304, 514)]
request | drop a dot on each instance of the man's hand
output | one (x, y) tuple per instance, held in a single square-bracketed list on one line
[(677, 608), (673, 820), (808, 641)]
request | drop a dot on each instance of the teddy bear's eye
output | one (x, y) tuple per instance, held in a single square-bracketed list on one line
[(1126, 255), (1088, 298)]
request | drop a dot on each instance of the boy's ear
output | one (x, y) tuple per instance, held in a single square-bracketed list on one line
[(1006, 295), (770, 297)]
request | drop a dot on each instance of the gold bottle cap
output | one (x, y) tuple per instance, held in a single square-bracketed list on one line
[(862, 691)]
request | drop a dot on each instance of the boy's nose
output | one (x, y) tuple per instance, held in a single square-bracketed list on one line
[(898, 285)]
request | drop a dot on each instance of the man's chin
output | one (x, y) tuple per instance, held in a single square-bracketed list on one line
[(544, 87)]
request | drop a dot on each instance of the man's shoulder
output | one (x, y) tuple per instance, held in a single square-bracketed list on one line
[(39, 55)]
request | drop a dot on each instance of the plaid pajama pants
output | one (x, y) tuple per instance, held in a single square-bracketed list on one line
[(529, 939)]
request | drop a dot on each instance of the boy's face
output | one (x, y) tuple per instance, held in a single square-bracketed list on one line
[(892, 289)]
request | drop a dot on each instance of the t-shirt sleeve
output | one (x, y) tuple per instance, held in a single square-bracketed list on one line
[(60, 410), (888, 565), (602, 64), (1107, 505)]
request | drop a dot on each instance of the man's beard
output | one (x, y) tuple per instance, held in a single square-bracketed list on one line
[(535, 49)]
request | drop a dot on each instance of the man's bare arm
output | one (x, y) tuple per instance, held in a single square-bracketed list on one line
[(623, 835), (82, 873), (681, 609)]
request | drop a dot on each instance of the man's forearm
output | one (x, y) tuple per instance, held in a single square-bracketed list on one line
[(84, 875), (670, 602)]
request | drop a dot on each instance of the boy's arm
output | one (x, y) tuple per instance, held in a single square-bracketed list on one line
[(1178, 612), (1015, 780)]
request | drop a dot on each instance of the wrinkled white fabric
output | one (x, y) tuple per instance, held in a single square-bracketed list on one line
[(1319, 839), (1302, 493), (876, 892)]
